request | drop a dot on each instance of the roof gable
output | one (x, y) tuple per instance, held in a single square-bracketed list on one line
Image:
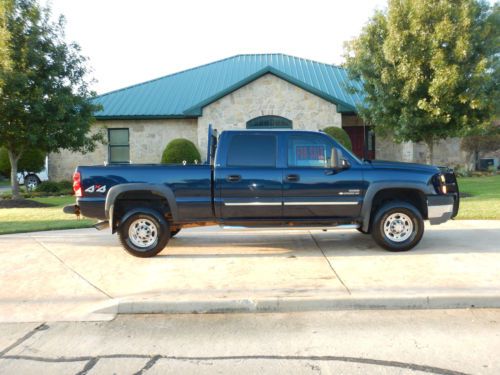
[(184, 94)]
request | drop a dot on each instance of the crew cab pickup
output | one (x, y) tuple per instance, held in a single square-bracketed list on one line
[(283, 179)]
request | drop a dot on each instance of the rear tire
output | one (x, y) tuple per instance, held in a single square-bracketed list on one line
[(143, 235), (398, 226)]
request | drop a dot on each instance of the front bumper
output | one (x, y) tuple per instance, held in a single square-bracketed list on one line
[(440, 208)]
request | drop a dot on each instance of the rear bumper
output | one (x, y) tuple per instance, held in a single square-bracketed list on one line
[(440, 208), (88, 207)]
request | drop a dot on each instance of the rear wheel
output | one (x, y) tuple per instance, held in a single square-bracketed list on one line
[(398, 226), (143, 235)]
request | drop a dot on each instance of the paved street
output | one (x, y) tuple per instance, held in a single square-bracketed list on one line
[(339, 342), (85, 275)]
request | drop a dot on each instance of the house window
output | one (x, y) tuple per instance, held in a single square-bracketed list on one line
[(269, 122), (118, 146)]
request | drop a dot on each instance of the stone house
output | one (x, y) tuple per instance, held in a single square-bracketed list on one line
[(243, 91)]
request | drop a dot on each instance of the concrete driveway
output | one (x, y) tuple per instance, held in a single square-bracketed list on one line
[(85, 275)]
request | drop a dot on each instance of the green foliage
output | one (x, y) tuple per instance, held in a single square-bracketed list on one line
[(48, 187), (340, 135), (45, 101), (4, 36), (32, 160), (178, 150), (428, 69), (53, 187)]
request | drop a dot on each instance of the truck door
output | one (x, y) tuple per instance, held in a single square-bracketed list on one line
[(249, 181), (314, 190)]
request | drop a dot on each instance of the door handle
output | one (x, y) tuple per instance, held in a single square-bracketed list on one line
[(293, 177), (233, 178)]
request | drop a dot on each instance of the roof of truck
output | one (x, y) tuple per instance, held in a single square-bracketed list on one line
[(184, 94)]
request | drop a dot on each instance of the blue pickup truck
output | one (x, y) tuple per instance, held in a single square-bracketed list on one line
[(284, 179)]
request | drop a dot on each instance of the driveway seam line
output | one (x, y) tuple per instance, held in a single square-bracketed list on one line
[(71, 269), (330, 264), (22, 339)]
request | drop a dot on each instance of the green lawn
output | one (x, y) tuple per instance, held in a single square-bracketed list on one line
[(18, 220), (485, 200), (4, 183)]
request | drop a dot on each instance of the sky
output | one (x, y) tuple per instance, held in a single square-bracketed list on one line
[(131, 41)]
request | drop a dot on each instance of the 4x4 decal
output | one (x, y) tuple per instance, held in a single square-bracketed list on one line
[(96, 188)]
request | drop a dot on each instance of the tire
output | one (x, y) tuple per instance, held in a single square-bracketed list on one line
[(143, 235), (174, 232), (31, 182), (398, 226)]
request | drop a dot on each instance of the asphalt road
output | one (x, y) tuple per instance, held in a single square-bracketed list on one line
[(342, 342)]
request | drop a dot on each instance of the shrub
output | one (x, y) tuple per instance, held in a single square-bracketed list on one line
[(65, 185), (340, 136), (32, 160), (178, 150), (48, 187)]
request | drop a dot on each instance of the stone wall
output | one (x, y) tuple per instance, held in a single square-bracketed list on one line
[(147, 138), (446, 152), (267, 95)]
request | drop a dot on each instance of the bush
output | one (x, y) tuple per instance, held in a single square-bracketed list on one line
[(178, 150), (340, 136), (32, 160), (65, 185), (48, 187)]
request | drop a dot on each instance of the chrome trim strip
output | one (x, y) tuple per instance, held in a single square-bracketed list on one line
[(439, 211), (252, 203), (321, 203), (291, 227)]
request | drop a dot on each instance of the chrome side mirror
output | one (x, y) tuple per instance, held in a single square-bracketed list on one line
[(336, 161)]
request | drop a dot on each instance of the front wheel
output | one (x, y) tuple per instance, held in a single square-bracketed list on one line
[(398, 226), (31, 182), (143, 235)]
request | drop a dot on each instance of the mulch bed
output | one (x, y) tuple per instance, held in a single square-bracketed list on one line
[(21, 203)]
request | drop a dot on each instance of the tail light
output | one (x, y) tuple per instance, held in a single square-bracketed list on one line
[(77, 184)]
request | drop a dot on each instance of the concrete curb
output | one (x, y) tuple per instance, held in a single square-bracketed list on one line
[(297, 304)]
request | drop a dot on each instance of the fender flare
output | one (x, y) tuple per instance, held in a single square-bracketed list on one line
[(376, 187), (161, 190)]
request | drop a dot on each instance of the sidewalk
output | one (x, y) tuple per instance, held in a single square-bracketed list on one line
[(85, 275)]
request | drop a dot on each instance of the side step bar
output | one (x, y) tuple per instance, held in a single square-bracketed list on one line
[(101, 225), (287, 228)]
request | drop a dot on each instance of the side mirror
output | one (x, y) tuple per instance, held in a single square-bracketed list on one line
[(336, 159)]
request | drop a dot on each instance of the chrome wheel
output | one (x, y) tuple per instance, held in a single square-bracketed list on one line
[(398, 227), (143, 233), (31, 183)]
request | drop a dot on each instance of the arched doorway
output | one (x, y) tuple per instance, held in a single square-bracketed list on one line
[(269, 122)]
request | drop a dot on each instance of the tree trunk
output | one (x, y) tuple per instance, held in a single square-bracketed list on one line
[(430, 145), (13, 174)]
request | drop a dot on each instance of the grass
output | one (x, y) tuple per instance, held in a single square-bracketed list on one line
[(4, 183), (484, 202), (19, 220)]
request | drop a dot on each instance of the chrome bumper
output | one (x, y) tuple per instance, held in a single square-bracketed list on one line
[(439, 208)]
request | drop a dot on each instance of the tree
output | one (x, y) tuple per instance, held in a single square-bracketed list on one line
[(32, 160), (45, 102), (178, 150), (340, 135), (428, 69), (5, 6)]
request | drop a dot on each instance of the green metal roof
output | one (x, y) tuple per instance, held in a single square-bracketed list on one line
[(184, 94)]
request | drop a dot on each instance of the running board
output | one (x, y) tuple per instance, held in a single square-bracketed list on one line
[(281, 228), (101, 225)]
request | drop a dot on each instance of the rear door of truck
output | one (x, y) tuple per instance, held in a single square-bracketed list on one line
[(248, 177)]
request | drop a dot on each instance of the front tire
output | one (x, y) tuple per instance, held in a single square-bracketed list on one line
[(31, 182), (143, 235), (398, 226)]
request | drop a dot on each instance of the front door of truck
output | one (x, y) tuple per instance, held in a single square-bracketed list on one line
[(314, 190), (249, 181)]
